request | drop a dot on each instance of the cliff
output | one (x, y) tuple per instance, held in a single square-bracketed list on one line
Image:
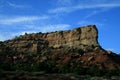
[(77, 48), (84, 38)]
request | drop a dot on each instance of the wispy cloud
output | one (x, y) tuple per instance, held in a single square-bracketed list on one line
[(96, 12), (91, 14), (20, 19), (64, 2), (84, 22), (83, 6), (35, 29), (49, 27), (14, 5), (46, 28), (2, 38)]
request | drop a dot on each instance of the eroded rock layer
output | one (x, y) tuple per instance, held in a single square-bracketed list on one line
[(77, 49), (84, 38)]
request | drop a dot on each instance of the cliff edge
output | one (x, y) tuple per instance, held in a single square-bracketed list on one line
[(84, 38), (75, 49)]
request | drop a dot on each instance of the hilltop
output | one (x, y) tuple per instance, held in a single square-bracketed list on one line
[(70, 51)]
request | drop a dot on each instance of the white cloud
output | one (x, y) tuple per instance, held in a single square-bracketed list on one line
[(2, 38), (64, 2), (13, 20), (91, 14), (23, 32), (47, 28), (61, 10), (12, 4), (96, 12), (15, 5), (57, 27), (83, 6), (84, 22), (35, 29), (9, 35)]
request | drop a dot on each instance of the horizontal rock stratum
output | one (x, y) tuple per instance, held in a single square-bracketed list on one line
[(85, 38), (78, 48), (77, 38)]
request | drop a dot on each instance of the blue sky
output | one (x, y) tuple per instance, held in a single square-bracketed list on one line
[(20, 16)]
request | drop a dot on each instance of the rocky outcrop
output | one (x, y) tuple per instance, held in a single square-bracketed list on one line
[(84, 38), (78, 47), (80, 38)]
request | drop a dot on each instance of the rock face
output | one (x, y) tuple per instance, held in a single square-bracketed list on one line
[(84, 38), (77, 38), (78, 47)]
